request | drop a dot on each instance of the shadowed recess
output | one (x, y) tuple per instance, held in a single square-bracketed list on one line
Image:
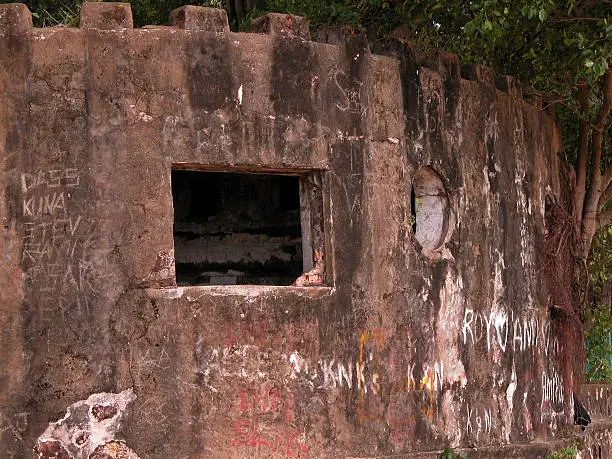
[(234, 228)]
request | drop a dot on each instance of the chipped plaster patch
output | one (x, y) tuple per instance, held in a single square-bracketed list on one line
[(87, 426)]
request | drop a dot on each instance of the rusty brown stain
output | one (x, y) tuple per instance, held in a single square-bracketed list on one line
[(51, 449), (113, 450), (102, 412)]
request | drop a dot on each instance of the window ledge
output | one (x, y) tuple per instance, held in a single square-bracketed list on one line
[(193, 293)]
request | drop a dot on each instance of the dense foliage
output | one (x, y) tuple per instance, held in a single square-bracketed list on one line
[(532, 39), (599, 335), (66, 12)]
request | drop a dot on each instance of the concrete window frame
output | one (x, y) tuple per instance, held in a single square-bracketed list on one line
[(312, 217)]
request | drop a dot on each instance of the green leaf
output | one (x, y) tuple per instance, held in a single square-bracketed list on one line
[(532, 12), (596, 70), (542, 15), (588, 63), (488, 25)]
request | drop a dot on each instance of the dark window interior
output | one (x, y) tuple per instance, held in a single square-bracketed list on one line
[(236, 228)]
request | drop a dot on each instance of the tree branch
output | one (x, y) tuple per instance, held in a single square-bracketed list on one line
[(604, 218), (591, 204), (607, 102), (606, 180), (605, 197), (583, 152), (574, 19)]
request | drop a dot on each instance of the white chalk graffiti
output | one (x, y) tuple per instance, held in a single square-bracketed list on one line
[(478, 421), (57, 241), (50, 204), (53, 178), (502, 329), (552, 395), (353, 100), (45, 241), (326, 373), (44, 191), (332, 374)]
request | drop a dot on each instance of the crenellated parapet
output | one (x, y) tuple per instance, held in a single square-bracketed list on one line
[(16, 19)]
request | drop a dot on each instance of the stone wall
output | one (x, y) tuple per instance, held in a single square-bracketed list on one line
[(409, 344)]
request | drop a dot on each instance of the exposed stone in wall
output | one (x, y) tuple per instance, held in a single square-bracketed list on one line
[(88, 430), (401, 350)]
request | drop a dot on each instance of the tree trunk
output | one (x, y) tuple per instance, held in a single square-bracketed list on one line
[(583, 153), (596, 189)]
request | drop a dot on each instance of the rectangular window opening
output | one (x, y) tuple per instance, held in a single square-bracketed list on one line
[(247, 228)]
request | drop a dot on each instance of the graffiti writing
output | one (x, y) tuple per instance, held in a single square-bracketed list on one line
[(478, 421), (254, 435), (502, 329), (353, 99), (267, 399), (552, 395)]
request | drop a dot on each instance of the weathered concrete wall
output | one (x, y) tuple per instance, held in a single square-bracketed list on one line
[(404, 349)]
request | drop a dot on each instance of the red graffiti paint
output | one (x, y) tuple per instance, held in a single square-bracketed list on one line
[(267, 399), (251, 434)]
